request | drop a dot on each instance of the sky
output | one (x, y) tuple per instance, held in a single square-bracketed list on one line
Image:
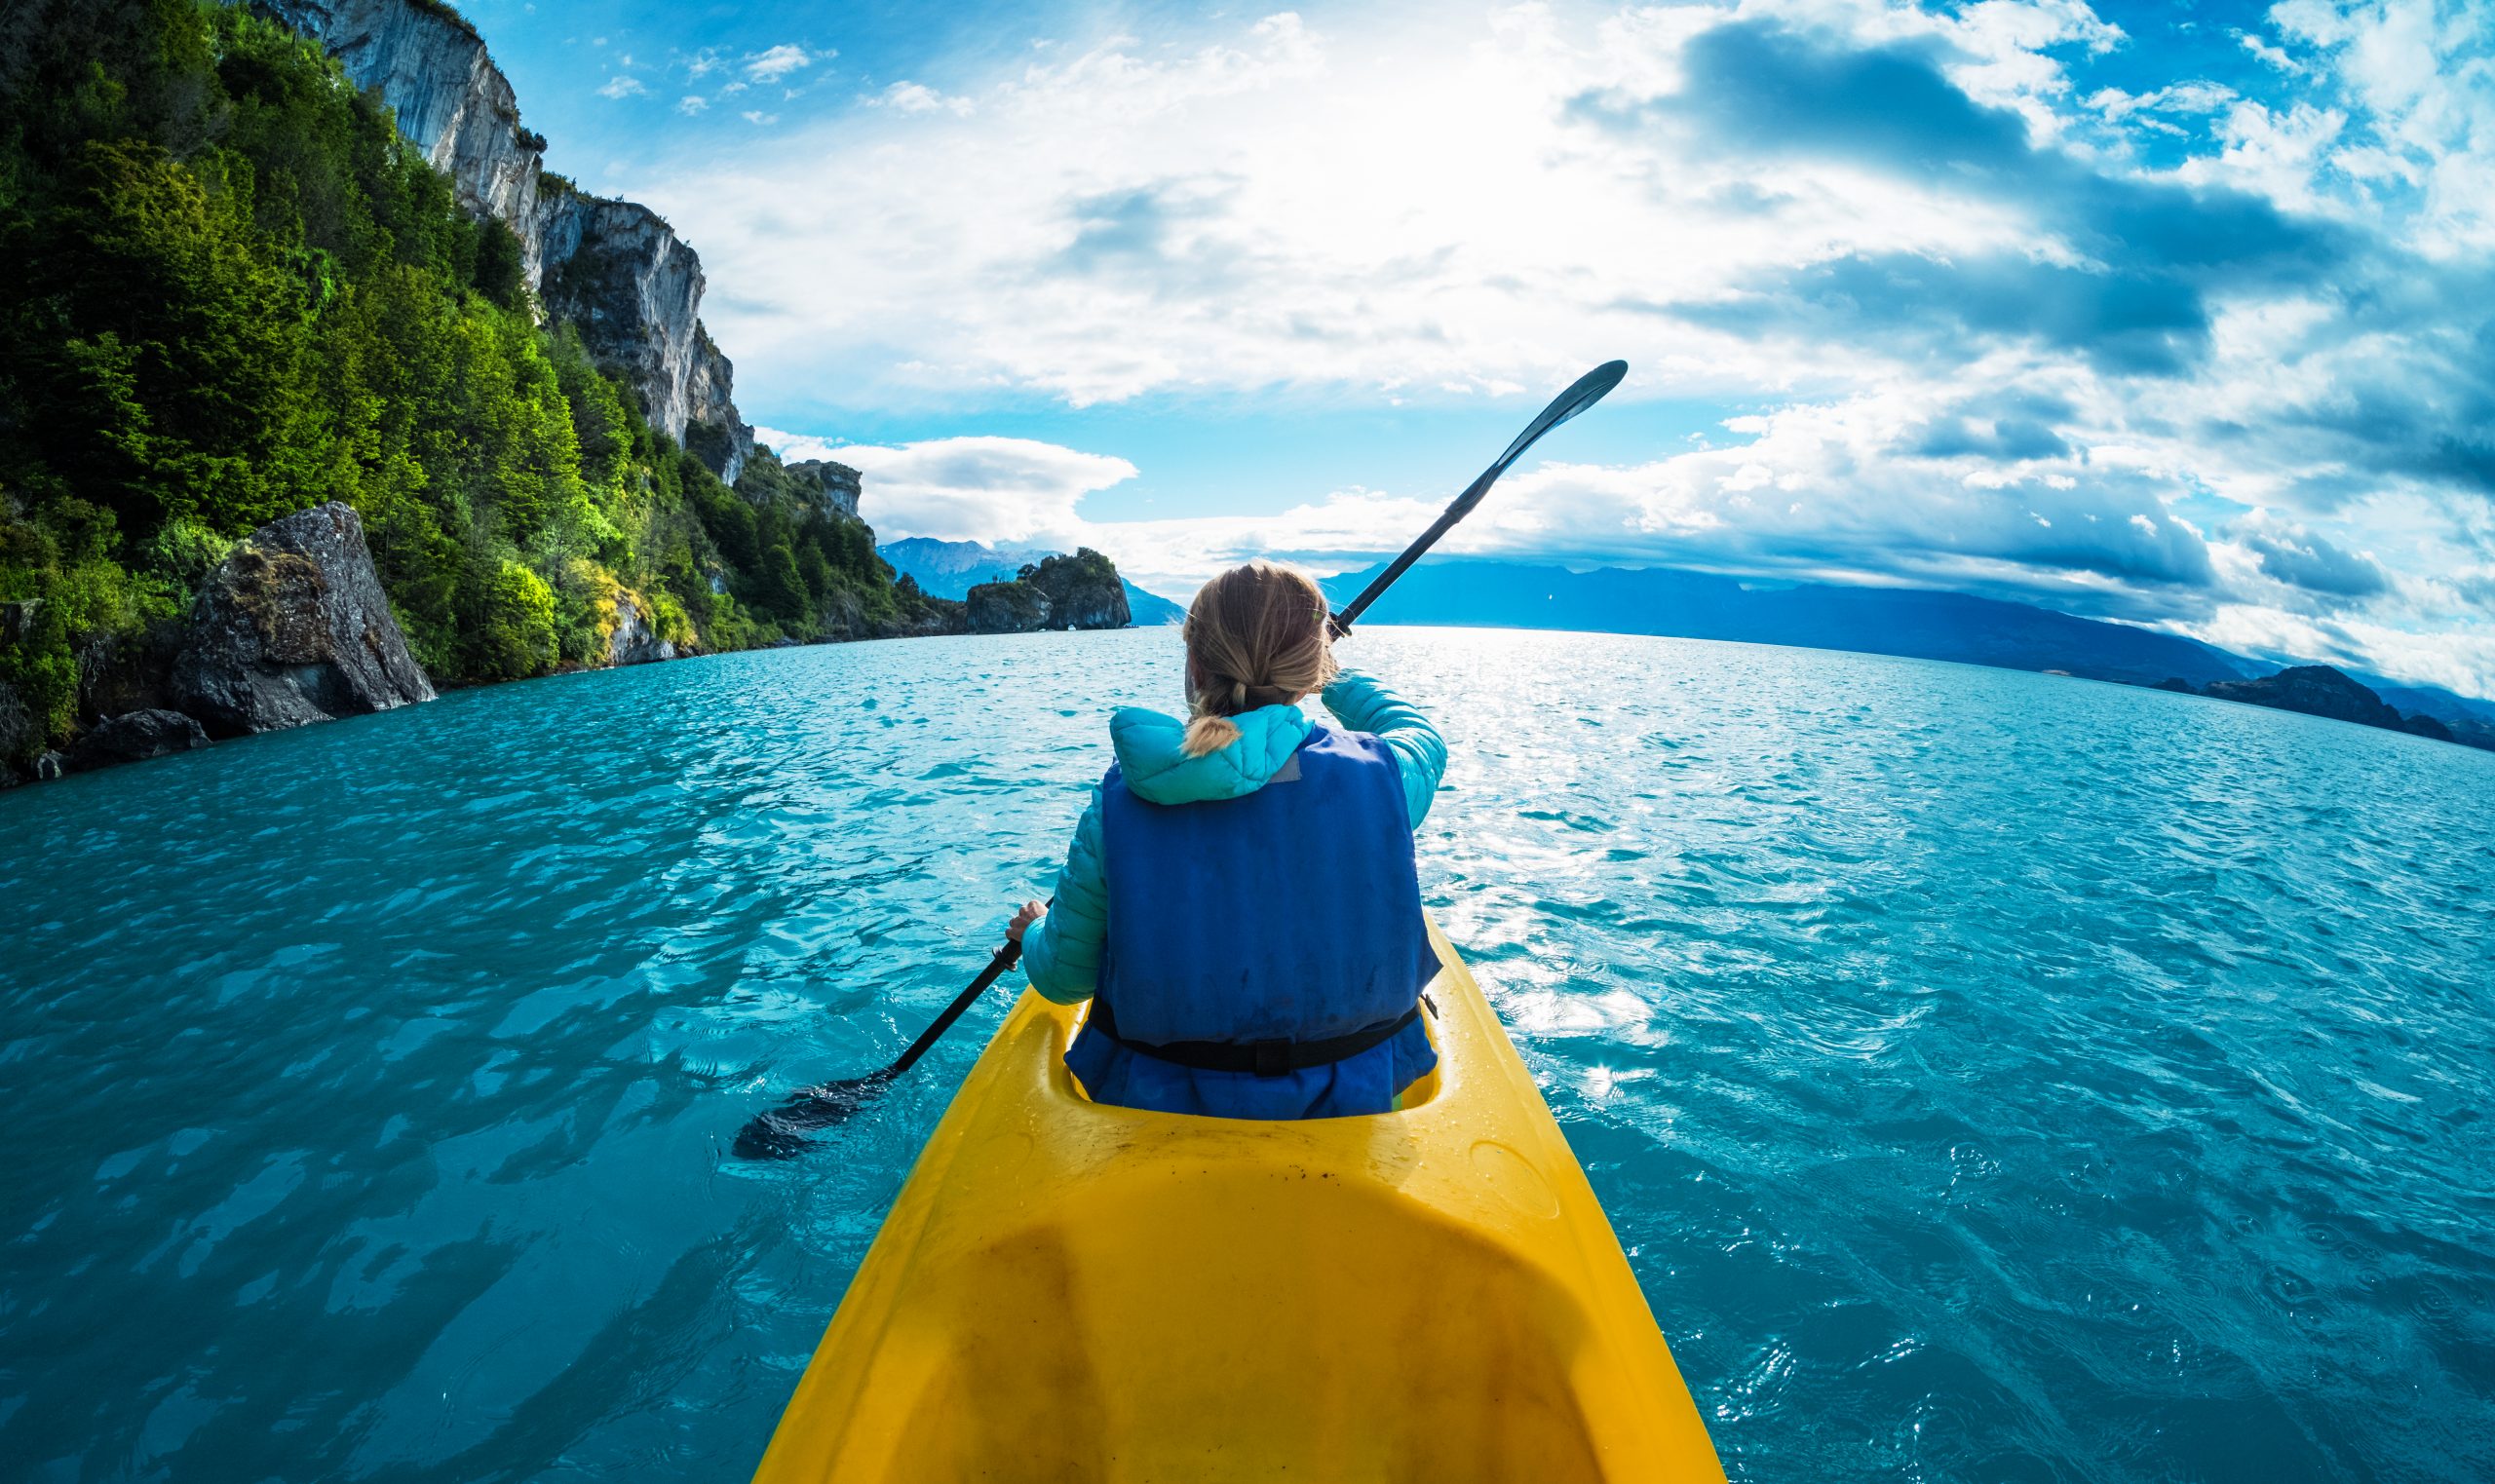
[(2179, 315)]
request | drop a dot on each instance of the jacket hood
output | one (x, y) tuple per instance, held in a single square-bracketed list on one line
[(1159, 773)]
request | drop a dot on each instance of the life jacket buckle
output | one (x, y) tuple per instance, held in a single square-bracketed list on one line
[(1273, 1058)]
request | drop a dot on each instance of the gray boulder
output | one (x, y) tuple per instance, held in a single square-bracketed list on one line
[(133, 738), (293, 627)]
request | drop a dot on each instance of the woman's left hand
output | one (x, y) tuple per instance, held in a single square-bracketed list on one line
[(1032, 912)]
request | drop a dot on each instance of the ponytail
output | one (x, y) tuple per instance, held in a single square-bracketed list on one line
[(1256, 635), (1208, 734)]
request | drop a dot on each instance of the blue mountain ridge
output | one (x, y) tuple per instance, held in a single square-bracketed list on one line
[(952, 568), (1911, 623)]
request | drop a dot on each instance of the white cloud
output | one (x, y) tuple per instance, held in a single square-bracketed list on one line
[(622, 84), (2276, 56), (757, 117), (965, 489), (915, 97), (1249, 212), (1432, 207), (777, 62), (692, 103)]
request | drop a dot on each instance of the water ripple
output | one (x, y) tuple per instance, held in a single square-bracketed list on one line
[(1991, 1077)]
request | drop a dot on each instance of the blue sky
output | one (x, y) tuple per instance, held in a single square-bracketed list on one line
[(2170, 314)]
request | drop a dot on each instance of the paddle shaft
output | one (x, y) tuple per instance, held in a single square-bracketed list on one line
[(1583, 393), (1004, 958), (1462, 507)]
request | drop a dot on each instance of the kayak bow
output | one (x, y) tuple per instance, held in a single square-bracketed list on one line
[(1069, 1291)]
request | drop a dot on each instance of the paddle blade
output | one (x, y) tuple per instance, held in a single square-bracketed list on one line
[(781, 1133), (1583, 393)]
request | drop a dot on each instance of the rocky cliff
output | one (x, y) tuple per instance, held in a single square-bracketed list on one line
[(613, 268), (839, 483)]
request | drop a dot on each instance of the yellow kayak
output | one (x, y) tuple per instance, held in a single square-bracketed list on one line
[(1069, 1292)]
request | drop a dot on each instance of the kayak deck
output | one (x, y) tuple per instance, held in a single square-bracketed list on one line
[(1069, 1291)]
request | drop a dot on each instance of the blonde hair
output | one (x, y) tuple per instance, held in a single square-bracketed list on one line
[(1256, 635)]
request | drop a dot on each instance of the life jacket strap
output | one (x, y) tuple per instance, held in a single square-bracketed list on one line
[(1279, 1057)]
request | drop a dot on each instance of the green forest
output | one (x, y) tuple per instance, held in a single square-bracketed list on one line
[(235, 292)]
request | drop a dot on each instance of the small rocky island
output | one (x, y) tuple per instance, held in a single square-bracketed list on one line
[(2318, 690), (1077, 591)]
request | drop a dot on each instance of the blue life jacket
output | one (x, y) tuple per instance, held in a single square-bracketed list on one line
[(1289, 913)]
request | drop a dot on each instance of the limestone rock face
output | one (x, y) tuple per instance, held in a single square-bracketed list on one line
[(619, 273), (633, 641), (120, 673), (712, 427), (839, 482), (20, 737), (134, 737), (452, 102), (1083, 590), (1078, 591), (1093, 606), (1015, 608), (293, 627), (615, 269)]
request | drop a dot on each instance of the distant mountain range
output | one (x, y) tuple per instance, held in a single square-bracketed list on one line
[(1881, 620), (952, 568)]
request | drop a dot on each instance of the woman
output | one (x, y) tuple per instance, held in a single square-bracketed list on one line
[(1239, 900)]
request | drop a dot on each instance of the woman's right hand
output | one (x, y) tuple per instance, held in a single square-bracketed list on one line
[(1032, 912)]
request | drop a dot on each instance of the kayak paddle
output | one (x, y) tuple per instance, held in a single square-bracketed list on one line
[(1586, 391), (782, 1132)]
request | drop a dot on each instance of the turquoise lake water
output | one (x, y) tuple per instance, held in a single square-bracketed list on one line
[(1992, 1077)]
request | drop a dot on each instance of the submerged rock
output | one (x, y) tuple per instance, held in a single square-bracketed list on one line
[(293, 627), (134, 737)]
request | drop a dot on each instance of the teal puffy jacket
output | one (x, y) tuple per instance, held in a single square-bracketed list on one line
[(1062, 953)]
